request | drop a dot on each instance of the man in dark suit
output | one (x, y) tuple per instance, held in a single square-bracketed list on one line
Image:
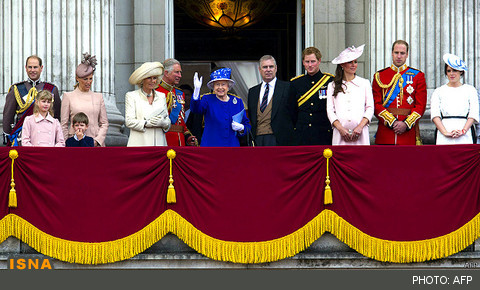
[(267, 107)]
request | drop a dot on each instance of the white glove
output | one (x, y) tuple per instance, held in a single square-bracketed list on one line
[(164, 123), (164, 114), (148, 124), (237, 126), (198, 85), (159, 122)]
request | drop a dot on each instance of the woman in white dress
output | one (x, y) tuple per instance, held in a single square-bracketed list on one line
[(349, 101), (455, 106)]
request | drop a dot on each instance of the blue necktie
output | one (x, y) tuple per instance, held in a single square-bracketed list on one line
[(263, 105)]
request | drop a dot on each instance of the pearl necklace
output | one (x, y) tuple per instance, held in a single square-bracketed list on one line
[(148, 95)]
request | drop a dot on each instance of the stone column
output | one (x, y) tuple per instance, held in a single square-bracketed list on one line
[(59, 31), (140, 37), (329, 30)]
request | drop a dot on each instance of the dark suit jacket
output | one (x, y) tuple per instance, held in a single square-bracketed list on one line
[(282, 125)]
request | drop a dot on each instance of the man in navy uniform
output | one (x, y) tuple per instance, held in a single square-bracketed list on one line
[(308, 102), (20, 100)]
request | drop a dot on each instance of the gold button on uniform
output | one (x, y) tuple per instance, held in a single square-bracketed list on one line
[(309, 125), (311, 104), (311, 114)]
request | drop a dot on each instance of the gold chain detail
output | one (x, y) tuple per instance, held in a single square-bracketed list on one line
[(383, 86), (30, 97)]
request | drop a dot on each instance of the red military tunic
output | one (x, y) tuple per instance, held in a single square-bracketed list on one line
[(408, 106), (175, 97)]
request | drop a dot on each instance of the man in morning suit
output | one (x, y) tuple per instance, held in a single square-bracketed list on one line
[(267, 107), (20, 99), (400, 96), (178, 131), (308, 102)]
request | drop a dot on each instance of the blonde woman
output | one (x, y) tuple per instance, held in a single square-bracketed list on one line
[(146, 112)]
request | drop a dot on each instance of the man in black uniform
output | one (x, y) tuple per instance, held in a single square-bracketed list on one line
[(20, 100), (308, 102)]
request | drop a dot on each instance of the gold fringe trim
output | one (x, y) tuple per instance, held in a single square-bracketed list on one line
[(241, 252), (247, 252), (82, 252), (402, 251)]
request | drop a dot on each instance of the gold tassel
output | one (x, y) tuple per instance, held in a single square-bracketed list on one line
[(171, 198), (12, 196), (328, 198)]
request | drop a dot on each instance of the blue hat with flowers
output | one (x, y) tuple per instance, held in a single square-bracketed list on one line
[(222, 74), (454, 62)]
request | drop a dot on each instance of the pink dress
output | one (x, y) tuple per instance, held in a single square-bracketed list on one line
[(350, 108), (42, 132)]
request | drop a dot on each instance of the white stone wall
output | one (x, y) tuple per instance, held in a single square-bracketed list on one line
[(337, 25)]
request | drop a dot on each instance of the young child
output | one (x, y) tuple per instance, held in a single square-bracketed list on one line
[(40, 128), (80, 125)]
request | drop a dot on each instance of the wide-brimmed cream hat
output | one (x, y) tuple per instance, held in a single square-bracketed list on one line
[(455, 62), (349, 54), (146, 70)]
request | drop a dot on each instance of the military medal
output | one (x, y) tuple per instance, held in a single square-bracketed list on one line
[(234, 101), (410, 89), (410, 80), (410, 100), (179, 98), (322, 94)]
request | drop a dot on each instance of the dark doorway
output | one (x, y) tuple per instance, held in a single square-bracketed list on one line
[(275, 35)]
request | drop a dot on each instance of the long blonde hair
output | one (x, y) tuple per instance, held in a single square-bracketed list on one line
[(43, 95)]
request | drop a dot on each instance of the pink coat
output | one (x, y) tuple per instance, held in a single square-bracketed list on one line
[(350, 108), (93, 106), (44, 132)]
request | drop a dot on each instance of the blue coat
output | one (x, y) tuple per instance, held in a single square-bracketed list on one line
[(218, 130)]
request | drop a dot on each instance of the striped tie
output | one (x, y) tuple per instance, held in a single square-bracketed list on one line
[(263, 105)]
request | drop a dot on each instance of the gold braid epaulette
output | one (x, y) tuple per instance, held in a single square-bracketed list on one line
[(294, 78), (383, 86), (169, 99), (396, 78), (30, 98)]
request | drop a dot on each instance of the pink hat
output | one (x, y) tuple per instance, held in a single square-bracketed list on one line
[(87, 66), (349, 54)]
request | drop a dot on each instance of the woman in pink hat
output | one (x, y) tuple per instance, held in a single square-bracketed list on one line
[(349, 101), (82, 99), (454, 106)]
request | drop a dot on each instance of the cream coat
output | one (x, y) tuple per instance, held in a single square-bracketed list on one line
[(137, 109)]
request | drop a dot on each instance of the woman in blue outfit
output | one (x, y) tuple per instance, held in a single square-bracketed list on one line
[(225, 116)]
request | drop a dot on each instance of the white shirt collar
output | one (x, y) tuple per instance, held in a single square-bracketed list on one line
[(39, 118), (271, 83)]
